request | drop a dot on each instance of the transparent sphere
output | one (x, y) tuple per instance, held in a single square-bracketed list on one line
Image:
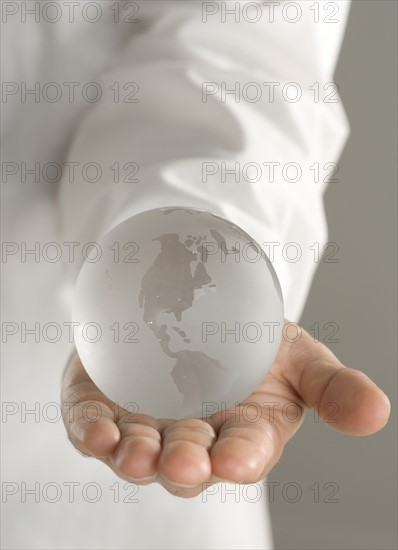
[(179, 313)]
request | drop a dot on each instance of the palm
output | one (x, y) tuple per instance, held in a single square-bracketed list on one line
[(239, 445)]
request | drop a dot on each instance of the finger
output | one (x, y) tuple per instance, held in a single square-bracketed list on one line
[(184, 463), (136, 457), (87, 413), (251, 437), (343, 397)]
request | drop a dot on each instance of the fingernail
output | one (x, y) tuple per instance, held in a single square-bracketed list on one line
[(178, 485)]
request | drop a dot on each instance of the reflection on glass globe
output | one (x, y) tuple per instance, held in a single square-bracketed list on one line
[(179, 313)]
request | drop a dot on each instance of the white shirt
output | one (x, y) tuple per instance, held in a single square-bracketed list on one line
[(217, 91)]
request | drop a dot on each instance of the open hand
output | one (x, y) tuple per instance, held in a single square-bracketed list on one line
[(239, 445)]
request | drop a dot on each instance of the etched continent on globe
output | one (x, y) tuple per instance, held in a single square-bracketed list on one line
[(197, 313)]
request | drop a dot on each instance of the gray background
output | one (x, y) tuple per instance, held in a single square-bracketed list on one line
[(358, 293)]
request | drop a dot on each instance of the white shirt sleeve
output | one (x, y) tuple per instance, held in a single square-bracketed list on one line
[(235, 112)]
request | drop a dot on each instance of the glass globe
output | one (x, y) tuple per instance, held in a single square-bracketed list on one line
[(178, 313)]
